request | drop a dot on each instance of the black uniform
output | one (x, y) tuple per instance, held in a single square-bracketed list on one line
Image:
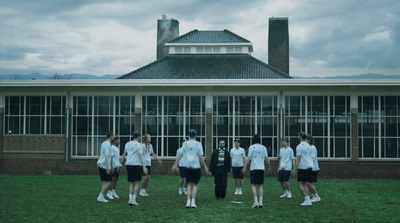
[(220, 166)]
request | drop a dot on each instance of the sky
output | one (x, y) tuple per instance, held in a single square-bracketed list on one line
[(326, 38)]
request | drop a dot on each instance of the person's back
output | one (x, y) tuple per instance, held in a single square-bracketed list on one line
[(315, 156), (305, 152), (258, 153), (191, 150), (132, 149)]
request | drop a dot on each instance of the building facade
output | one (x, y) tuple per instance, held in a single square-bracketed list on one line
[(57, 126)]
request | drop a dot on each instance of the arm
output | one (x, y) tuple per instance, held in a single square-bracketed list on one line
[(212, 167), (246, 163), (203, 163), (157, 158), (268, 164), (296, 165), (279, 164), (142, 161), (293, 164), (175, 166), (123, 159), (229, 163), (108, 168)]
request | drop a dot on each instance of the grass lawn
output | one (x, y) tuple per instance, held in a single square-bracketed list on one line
[(73, 199)]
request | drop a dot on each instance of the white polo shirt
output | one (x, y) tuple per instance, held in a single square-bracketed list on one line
[(237, 156), (182, 161), (258, 153), (305, 152), (147, 155), (132, 150), (287, 156), (191, 150), (105, 150), (115, 156), (315, 156)]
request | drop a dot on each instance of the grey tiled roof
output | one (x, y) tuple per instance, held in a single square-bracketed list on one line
[(206, 66), (197, 36)]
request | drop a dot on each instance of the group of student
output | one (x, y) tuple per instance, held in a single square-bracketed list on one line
[(137, 159)]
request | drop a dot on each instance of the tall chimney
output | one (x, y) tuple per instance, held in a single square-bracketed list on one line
[(278, 44), (167, 29)]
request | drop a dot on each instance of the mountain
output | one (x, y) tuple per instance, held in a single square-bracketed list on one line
[(359, 76)]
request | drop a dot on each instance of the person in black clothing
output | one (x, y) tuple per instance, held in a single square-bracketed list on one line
[(220, 166)]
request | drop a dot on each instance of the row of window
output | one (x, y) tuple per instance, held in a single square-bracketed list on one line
[(168, 119)]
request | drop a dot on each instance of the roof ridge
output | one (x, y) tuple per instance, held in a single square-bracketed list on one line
[(232, 33), (144, 67), (262, 62), (183, 36)]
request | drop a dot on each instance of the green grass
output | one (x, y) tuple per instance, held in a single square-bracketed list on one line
[(73, 199)]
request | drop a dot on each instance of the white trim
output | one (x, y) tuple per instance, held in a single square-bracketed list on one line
[(209, 44)]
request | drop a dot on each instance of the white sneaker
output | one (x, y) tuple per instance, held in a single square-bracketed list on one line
[(289, 195), (284, 195), (306, 203), (134, 203), (255, 205), (114, 194), (130, 202), (184, 191), (237, 191), (193, 205), (180, 191), (188, 204), (142, 193), (146, 194), (110, 196), (102, 200), (316, 199), (240, 191)]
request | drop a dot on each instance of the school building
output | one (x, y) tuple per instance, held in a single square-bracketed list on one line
[(206, 80)]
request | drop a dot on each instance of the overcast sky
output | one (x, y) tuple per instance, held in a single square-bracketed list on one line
[(327, 37)]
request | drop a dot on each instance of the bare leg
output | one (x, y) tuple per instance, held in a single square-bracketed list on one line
[(114, 183), (236, 183), (105, 187), (312, 188), (303, 188), (283, 185), (189, 191), (131, 187), (145, 181), (136, 187), (240, 183), (287, 185), (254, 190), (194, 191)]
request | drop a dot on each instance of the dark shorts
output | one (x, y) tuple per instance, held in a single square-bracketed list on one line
[(193, 175), (148, 171), (257, 176), (134, 173), (314, 176), (116, 173), (284, 175), (104, 176), (182, 171), (304, 175), (237, 172)]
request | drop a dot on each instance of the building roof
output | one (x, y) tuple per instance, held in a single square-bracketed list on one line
[(206, 66), (196, 36)]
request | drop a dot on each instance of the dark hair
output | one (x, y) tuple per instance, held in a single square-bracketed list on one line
[(136, 134), (109, 134), (310, 139), (192, 132), (286, 140), (115, 139), (256, 139), (221, 140), (303, 135)]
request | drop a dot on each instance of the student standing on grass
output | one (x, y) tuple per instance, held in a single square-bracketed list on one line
[(192, 151), (237, 155), (315, 169), (134, 165), (105, 167), (116, 165), (303, 167), (286, 163), (220, 166), (148, 152), (182, 171), (257, 156)]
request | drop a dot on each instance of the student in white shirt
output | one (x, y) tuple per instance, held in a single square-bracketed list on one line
[(148, 152), (238, 155), (134, 162), (257, 156), (105, 167), (192, 151), (315, 169), (182, 171), (116, 165), (303, 167), (285, 167)]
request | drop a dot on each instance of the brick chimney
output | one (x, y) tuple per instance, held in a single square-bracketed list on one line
[(278, 44), (167, 29)]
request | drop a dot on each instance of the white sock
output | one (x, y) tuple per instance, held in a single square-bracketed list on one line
[(307, 198), (194, 201), (255, 199), (260, 200), (316, 195), (130, 196), (134, 197), (101, 195), (113, 191)]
